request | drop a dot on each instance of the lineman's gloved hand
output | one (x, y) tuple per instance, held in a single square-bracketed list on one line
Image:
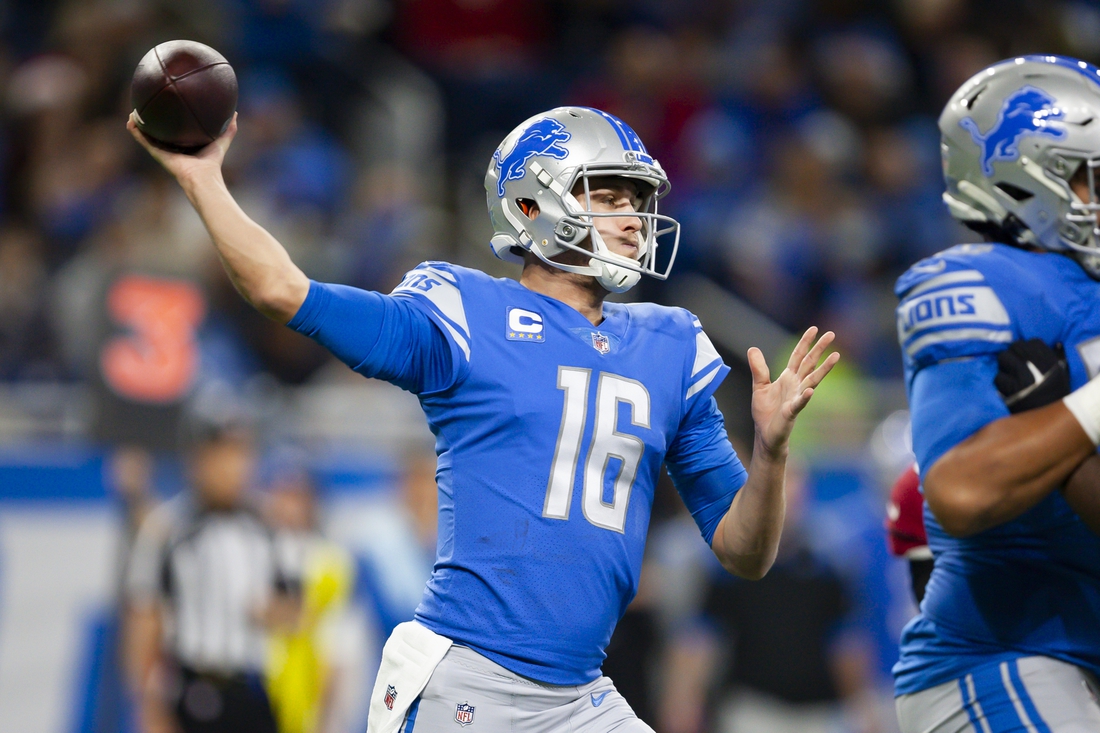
[(1031, 374)]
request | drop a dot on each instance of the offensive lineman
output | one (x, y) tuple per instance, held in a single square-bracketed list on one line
[(1008, 638), (553, 412)]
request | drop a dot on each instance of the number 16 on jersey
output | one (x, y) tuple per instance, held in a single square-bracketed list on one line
[(607, 443)]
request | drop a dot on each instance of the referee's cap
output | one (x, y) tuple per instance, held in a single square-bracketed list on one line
[(216, 412)]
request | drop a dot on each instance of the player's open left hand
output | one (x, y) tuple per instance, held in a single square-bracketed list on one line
[(184, 166), (775, 405)]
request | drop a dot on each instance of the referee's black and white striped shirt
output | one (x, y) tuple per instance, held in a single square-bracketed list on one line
[(214, 572)]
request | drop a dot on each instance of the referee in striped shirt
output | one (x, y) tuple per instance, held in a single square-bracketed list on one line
[(202, 579)]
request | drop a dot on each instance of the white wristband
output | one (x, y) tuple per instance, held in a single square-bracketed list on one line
[(1084, 403)]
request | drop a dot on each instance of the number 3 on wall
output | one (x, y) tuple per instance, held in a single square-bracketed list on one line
[(607, 443), (156, 362)]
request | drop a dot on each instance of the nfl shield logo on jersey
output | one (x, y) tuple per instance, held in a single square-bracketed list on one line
[(391, 695), (601, 343), (464, 714)]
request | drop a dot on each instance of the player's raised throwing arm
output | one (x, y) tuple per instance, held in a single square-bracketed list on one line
[(259, 267), (747, 538)]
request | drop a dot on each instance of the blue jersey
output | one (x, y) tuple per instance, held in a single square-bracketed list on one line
[(1030, 586), (550, 434)]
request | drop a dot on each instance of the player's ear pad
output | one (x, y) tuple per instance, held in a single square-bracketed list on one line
[(1031, 374)]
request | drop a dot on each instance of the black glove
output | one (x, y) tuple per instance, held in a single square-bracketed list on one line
[(1031, 374)]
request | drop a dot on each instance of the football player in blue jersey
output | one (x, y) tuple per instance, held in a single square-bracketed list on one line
[(1008, 637), (553, 411)]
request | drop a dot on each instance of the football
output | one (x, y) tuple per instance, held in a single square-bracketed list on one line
[(184, 94)]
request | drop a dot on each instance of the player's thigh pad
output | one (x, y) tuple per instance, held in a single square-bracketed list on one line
[(468, 692), (1026, 695)]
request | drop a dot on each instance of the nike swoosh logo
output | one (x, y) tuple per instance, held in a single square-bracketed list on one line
[(598, 699)]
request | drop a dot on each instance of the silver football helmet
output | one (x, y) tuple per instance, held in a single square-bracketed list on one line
[(542, 161), (1013, 137)]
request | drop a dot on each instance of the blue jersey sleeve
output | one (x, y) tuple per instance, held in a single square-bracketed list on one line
[(951, 401), (706, 371), (958, 310), (381, 336), (434, 288), (953, 313), (704, 467)]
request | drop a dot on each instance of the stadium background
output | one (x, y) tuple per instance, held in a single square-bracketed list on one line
[(801, 141)]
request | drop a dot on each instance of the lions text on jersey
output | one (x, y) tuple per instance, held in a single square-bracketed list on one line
[(550, 433), (1029, 587)]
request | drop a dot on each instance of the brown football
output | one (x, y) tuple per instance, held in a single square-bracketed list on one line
[(184, 94)]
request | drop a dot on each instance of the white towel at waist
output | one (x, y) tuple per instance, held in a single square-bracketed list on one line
[(410, 656)]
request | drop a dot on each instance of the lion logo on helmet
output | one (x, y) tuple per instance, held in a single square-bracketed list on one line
[(544, 137), (1027, 111)]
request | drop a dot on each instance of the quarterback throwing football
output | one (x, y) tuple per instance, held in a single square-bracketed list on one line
[(553, 412)]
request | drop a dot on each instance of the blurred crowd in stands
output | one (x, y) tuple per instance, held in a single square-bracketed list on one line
[(799, 135), (800, 138)]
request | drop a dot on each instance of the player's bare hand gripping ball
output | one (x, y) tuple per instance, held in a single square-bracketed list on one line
[(776, 404), (186, 166)]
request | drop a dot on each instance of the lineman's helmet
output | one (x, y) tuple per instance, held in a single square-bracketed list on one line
[(1014, 136)]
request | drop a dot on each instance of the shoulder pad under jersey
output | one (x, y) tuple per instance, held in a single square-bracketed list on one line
[(958, 303)]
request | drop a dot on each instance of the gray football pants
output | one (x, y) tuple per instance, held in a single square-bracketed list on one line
[(468, 692), (1026, 695)]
